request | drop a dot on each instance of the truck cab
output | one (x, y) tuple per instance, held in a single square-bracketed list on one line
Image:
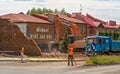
[(97, 44)]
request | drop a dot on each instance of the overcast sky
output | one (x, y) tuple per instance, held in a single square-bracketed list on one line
[(103, 9)]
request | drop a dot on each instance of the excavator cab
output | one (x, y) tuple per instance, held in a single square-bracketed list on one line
[(72, 38), (76, 43)]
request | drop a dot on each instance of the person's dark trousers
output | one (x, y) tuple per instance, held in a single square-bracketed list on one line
[(70, 60)]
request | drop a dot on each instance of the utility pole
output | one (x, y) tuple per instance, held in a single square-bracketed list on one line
[(81, 8)]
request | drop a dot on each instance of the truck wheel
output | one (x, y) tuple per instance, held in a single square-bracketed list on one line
[(89, 52), (107, 52)]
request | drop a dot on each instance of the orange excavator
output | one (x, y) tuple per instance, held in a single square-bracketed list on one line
[(75, 40)]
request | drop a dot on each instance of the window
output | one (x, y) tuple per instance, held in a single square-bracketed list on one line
[(23, 28), (101, 41), (93, 40)]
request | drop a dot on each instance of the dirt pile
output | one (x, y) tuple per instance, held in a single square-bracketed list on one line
[(12, 39)]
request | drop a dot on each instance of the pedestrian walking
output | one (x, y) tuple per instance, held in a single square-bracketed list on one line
[(93, 48), (22, 54), (70, 55)]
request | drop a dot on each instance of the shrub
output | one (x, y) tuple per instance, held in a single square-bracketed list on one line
[(119, 37), (102, 60), (113, 35)]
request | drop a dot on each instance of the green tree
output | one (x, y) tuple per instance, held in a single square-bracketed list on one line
[(33, 11), (103, 33), (106, 34), (111, 34), (40, 10), (116, 35), (45, 10), (100, 33), (50, 10), (119, 37), (64, 43), (63, 11), (36, 11), (56, 11), (28, 12)]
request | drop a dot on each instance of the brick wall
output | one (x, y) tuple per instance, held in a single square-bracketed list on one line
[(41, 33), (91, 31), (12, 39), (64, 29), (83, 29)]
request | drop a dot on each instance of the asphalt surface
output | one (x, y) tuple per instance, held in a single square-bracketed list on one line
[(55, 68)]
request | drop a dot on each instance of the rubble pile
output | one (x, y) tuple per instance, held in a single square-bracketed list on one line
[(63, 56)]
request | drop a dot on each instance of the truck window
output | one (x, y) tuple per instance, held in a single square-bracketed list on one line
[(101, 41), (92, 40), (95, 40), (89, 41)]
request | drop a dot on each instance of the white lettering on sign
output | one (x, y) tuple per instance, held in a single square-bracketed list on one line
[(41, 29), (34, 36), (48, 36), (41, 36)]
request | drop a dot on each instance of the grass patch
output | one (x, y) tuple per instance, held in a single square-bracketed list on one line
[(103, 60)]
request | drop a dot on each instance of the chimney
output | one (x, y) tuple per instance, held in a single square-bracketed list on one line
[(21, 13), (51, 17), (69, 15), (113, 23)]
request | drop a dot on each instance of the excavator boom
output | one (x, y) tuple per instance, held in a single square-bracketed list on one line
[(74, 29)]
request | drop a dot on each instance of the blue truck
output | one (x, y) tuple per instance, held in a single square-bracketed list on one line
[(101, 44)]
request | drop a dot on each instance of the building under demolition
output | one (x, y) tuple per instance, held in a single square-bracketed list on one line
[(12, 40), (42, 27), (40, 30)]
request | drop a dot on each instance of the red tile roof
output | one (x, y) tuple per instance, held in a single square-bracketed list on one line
[(23, 18), (95, 19), (41, 16), (112, 23), (89, 21), (94, 22), (112, 27), (70, 19)]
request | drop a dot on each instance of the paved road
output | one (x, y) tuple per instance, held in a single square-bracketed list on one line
[(54, 68)]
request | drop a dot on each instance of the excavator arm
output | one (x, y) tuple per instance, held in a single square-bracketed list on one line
[(74, 29), (77, 43)]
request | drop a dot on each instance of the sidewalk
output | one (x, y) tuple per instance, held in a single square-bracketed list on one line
[(44, 58), (36, 59)]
